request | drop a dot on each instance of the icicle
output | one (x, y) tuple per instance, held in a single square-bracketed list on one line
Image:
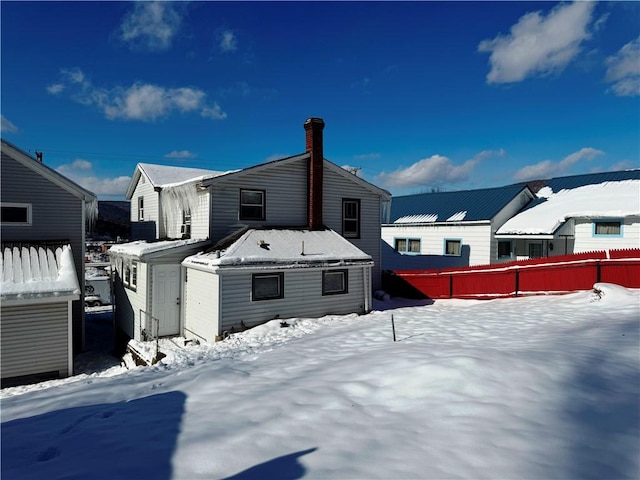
[(7, 275), (26, 265), (35, 264), (44, 264), (17, 265), (177, 199), (58, 260), (53, 266)]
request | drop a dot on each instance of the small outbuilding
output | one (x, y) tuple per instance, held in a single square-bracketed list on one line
[(265, 274), (39, 284)]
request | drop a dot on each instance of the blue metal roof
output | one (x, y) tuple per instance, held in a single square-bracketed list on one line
[(575, 181), (482, 204)]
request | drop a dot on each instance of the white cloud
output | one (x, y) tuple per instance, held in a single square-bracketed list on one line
[(180, 154), (623, 70), (81, 172), (55, 89), (228, 41), (7, 126), (549, 168), (141, 101), (150, 26), (435, 170), (539, 45)]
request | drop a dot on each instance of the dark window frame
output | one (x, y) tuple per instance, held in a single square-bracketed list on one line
[(141, 209), (258, 276), (345, 286), (503, 242), (407, 247), (351, 232), (452, 241), (242, 215)]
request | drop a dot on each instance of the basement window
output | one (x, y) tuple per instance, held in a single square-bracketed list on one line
[(267, 286), (252, 205), (607, 228), (15, 214), (335, 282)]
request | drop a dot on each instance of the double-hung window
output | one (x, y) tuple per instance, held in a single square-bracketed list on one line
[(335, 282), (350, 218), (185, 228), (140, 209), (15, 214), (252, 205), (453, 247), (407, 245), (267, 286)]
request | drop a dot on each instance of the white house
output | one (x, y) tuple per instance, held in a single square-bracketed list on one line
[(450, 229), (274, 273), (41, 212), (302, 191), (589, 216)]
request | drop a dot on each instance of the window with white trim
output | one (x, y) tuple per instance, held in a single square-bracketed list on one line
[(335, 282), (407, 245), (453, 247), (267, 286), (140, 209), (252, 205), (350, 218), (15, 214), (608, 228)]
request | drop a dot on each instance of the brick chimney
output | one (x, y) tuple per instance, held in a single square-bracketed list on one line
[(313, 128)]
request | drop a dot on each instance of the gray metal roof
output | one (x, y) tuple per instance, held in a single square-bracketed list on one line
[(481, 204)]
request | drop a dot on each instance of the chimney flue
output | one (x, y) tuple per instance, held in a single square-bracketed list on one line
[(313, 128)]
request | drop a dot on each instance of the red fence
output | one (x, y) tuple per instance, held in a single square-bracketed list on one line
[(552, 274)]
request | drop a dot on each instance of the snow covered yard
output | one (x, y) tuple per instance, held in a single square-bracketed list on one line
[(524, 388)]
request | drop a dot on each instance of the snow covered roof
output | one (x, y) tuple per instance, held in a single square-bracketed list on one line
[(467, 205), (33, 271), (142, 248), (604, 200), (283, 247)]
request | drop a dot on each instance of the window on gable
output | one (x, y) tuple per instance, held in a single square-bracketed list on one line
[(611, 228), (407, 245), (15, 214), (267, 286), (350, 218), (185, 228), (252, 205), (140, 208), (453, 247), (504, 249), (335, 282)]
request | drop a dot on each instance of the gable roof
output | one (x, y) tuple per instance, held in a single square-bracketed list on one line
[(47, 172), (574, 181), (297, 158), (34, 270), (162, 176), (465, 205), (604, 200), (284, 248)]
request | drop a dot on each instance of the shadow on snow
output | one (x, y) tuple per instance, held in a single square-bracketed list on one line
[(97, 441), (286, 467)]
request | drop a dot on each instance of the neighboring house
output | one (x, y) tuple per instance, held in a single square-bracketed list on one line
[(41, 212), (578, 214), (302, 191), (274, 273), (450, 229)]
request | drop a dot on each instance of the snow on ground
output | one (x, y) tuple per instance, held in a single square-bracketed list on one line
[(522, 388)]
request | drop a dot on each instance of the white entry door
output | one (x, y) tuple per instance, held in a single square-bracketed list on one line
[(166, 298)]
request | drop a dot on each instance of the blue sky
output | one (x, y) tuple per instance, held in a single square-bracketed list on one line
[(416, 95)]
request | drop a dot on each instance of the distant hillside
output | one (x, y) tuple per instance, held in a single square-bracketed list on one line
[(113, 220)]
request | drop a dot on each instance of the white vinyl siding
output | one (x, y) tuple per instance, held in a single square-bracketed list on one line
[(201, 306), (151, 206), (35, 339), (131, 302), (199, 219), (585, 241)]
